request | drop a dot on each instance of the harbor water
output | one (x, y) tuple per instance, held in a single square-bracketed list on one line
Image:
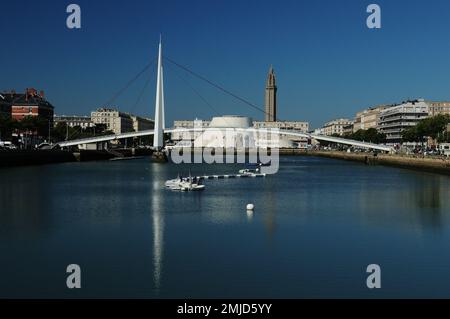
[(315, 227)]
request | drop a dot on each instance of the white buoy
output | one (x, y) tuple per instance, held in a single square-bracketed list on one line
[(250, 206)]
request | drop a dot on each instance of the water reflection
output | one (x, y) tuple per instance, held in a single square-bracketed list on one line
[(270, 206), (157, 212), (249, 215), (392, 212), (24, 202), (415, 201)]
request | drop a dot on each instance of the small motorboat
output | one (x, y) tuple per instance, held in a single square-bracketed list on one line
[(174, 182), (185, 184), (189, 186), (249, 171)]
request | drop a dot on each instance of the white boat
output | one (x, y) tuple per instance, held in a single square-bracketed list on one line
[(189, 186), (185, 184), (249, 171), (174, 182)]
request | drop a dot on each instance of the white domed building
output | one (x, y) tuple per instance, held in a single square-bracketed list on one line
[(233, 131)]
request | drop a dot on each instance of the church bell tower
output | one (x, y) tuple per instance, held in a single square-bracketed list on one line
[(271, 97)]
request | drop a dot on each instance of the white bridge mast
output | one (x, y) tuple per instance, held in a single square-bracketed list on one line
[(158, 139)]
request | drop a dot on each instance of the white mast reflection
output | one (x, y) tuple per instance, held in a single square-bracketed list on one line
[(158, 229)]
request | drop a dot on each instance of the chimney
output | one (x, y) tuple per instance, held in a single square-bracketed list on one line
[(41, 93), (26, 94)]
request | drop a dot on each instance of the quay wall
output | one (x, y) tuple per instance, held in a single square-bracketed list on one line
[(439, 165), (34, 157)]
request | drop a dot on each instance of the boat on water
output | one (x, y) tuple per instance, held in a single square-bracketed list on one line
[(252, 169), (249, 171), (174, 182), (185, 184)]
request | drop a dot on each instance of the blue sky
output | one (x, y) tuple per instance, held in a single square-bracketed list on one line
[(328, 63)]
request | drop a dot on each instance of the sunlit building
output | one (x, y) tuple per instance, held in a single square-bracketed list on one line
[(395, 119), (74, 120), (336, 127), (368, 118), (436, 108), (115, 121)]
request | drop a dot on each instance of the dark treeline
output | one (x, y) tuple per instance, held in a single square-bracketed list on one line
[(434, 127), (40, 126)]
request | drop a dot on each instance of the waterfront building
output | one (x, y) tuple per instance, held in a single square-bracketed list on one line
[(348, 129), (142, 124), (436, 108), (336, 127), (368, 118), (30, 103), (115, 121), (271, 97), (238, 139), (319, 131), (216, 135), (188, 124), (82, 121), (300, 126), (395, 119)]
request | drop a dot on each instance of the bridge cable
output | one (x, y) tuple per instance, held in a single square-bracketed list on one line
[(198, 94), (195, 91), (129, 83), (217, 86), (143, 90)]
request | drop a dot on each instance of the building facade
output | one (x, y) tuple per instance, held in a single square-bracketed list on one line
[(188, 136), (142, 124), (439, 108), (271, 97), (115, 121), (300, 126), (74, 120), (30, 103), (368, 118), (336, 127), (348, 129), (395, 119)]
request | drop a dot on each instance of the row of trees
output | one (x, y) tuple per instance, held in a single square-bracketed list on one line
[(370, 135), (62, 132), (38, 125), (434, 127), (29, 124)]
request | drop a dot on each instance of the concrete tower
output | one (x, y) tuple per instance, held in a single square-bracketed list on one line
[(271, 97)]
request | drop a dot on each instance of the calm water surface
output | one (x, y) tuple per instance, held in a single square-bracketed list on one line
[(318, 223)]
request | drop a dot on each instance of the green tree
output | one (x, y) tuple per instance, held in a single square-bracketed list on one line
[(410, 135), (433, 127)]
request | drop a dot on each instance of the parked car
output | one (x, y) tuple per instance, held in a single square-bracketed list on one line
[(44, 146), (444, 149), (6, 145)]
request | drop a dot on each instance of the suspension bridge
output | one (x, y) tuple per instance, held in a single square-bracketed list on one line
[(160, 128)]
